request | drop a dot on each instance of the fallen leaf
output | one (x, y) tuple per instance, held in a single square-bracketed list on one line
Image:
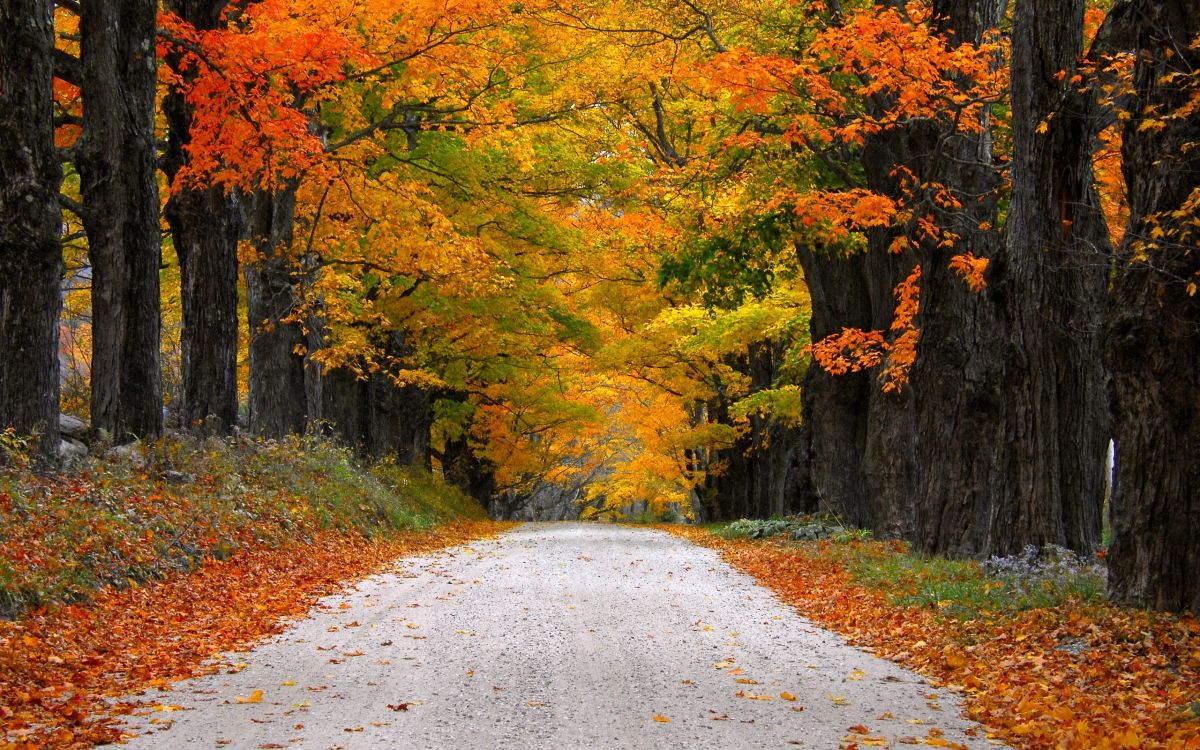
[(255, 697)]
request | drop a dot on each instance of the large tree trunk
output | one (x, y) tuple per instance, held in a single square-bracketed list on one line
[(278, 404), (205, 225), (835, 408), (30, 255), (117, 169), (889, 447), (1153, 343), (1056, 280), (957, 377)]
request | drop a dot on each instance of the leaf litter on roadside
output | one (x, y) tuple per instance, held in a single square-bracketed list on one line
[(1127, 679), (66, 672)]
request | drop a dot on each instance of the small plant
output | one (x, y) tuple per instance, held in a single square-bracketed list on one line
[(797, 528)]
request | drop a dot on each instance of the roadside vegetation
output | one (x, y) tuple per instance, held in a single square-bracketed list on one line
[(148, 510), (1030, 640), (141, 567)]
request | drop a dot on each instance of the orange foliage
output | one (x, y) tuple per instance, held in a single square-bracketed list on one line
[(1128, 685), (879, 51), (60, 667), (971, 269), (855, 350)]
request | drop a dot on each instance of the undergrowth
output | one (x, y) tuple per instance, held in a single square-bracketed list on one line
[(962, 589), (165, 506)]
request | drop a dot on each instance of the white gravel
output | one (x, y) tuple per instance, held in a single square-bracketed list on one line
[(554, 636)]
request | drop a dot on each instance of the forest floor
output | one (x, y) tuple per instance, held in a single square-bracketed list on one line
[(556, 636)]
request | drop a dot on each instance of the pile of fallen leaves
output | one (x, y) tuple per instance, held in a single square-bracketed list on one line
[(1075, 676), (65, 671)]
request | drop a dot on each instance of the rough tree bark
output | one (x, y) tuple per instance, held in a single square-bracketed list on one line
[(1153, 338), (117, 168), (957, 377), (278, 404), (1056, 279), (889, 446), (30, 255), (205, 225), (835, 409)]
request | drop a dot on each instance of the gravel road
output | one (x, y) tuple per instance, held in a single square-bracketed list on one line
[(555, 636)]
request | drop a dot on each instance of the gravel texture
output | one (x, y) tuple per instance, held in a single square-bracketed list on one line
[(555, 636)]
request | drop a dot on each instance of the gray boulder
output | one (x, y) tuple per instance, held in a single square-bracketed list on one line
[(73, 428), (71, 450)]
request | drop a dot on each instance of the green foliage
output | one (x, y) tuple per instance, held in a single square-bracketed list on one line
[(797, 528), (168, 505), (727, 269)]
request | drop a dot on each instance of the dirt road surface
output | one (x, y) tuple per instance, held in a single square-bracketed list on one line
[(555, 636)]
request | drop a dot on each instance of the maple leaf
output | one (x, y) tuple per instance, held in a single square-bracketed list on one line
[(255, 697)]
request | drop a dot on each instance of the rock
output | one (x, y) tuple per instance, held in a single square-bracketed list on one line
[(71, 427), (131, 452), (71, 450), (177, 477)]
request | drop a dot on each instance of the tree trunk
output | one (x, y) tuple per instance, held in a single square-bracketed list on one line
[(117, 167), (1153, 341), (889, 447), (464, 469), (278, 405), (1056, 281), (835, 408), (205, 225), (30, 255), (1008, 381)]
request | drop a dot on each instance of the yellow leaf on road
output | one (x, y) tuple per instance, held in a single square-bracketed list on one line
[(255, 697), (662, 719)]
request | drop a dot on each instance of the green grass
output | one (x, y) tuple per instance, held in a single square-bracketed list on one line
[(964, 590), (118, 521), (961, 589)]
